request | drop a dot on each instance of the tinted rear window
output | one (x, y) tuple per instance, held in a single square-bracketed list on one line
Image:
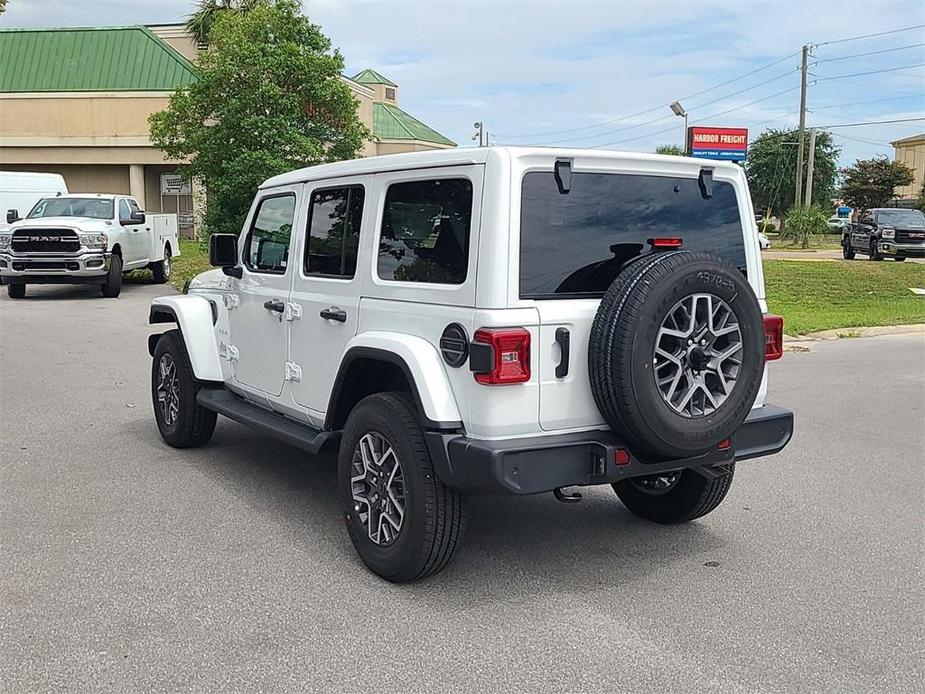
[(574, 244)]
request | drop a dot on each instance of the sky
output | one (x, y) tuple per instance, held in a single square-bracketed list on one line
[(601, 74)]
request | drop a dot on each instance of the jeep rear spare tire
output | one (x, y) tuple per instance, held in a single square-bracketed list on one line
[(676, 353)]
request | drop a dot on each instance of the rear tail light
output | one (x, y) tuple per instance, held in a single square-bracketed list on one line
[(510, 362), (773, 337), (666, 242)]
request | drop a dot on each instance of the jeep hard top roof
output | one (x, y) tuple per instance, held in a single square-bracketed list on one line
[(463, 156)]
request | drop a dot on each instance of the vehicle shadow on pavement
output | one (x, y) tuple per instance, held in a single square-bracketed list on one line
[(513, 546), (66, 292)]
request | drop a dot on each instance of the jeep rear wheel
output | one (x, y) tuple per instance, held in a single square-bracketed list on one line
[(676, 353), (674, 497), (403, 522), (182, 421)]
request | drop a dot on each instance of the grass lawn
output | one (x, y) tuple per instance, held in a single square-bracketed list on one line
[(843, 294), (826, 242), (193, 259)]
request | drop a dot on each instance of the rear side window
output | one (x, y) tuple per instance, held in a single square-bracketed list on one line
[(425, 231), (334, 232), (574, 244), (267, 246)]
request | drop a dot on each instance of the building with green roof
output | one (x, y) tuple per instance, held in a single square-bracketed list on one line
[(76, 101)]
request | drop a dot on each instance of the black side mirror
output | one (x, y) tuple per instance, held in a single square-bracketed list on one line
[(223, 253), (134, 218), (12, 216)]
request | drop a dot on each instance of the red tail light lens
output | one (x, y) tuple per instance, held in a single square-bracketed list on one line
[(666, 242), (511, 355), (773, 337)]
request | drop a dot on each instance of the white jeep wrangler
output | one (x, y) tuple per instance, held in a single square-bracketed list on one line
[(485, 320)]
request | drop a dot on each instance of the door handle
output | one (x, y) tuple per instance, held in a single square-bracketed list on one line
[(334, 313), (274, 305), (562, 339)]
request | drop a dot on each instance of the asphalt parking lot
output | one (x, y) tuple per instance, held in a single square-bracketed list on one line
[(128, 566)]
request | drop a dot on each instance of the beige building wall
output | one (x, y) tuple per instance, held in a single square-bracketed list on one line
[(175, 36), (911, 152), (399, 146)]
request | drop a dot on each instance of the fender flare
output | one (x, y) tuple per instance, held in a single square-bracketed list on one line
[(422, 366), (194, 316)]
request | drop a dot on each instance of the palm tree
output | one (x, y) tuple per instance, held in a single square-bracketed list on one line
[(200, 22)]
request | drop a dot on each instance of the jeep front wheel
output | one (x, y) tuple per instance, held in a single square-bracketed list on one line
[(403, 522), (674, 497), (182, 421)]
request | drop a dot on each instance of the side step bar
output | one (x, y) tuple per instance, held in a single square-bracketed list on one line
[(274, 424)]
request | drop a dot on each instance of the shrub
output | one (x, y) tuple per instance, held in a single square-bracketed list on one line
[(804, 222)]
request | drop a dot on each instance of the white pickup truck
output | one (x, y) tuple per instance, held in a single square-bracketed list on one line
[(87, 238)]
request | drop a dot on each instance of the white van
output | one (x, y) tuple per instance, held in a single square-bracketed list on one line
[(20, 190)]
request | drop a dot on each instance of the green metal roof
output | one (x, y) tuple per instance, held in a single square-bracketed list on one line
[(90, 60), (372, 77), (391, 123)]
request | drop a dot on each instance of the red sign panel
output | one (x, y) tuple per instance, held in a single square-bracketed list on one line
[(717, 143)]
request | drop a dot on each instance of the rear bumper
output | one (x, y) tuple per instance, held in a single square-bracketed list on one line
[(540, 464)]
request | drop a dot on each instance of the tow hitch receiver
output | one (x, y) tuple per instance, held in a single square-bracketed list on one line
[(572, 498)]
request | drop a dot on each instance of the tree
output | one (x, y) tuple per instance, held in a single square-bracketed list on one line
[(871, 182), (920, 202), (200, 22), (803, 223), (671, 149), (772, 165), (2, 6), (269, 98)]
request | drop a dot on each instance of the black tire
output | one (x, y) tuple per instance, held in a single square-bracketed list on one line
[(847, 250), (161, 269), (690, 497), (899, 258), (193, 424), (622, 344), (113, 284), (16, 291), (874, 251), (433, 520)]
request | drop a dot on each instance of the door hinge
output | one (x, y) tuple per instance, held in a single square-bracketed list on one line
[(228, 352), (293, 372), (231, 301), (293, 311)]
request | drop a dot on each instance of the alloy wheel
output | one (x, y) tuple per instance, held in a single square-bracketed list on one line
[(168, 390), (378, 488), (698, 355)]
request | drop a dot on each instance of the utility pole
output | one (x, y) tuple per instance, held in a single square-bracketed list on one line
[(810, 160), (799, 182)]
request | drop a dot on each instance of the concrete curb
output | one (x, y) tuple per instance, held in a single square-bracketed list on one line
[(839, 333)]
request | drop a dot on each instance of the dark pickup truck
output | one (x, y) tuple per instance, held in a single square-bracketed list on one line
[(886, 232)]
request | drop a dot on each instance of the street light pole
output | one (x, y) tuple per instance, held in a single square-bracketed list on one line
[(678, 110), (479, 132)]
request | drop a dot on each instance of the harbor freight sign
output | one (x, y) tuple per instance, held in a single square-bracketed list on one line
[(717, 143)]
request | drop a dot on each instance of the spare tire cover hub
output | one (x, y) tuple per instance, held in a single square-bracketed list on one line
[(698, 353)]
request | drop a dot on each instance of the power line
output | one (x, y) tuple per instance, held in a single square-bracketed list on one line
[(861, 55), (870, 72), (871, 101), (609, 133), (870, 122), (870, 36), (660, 106), (861, 139), (700, 120)]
